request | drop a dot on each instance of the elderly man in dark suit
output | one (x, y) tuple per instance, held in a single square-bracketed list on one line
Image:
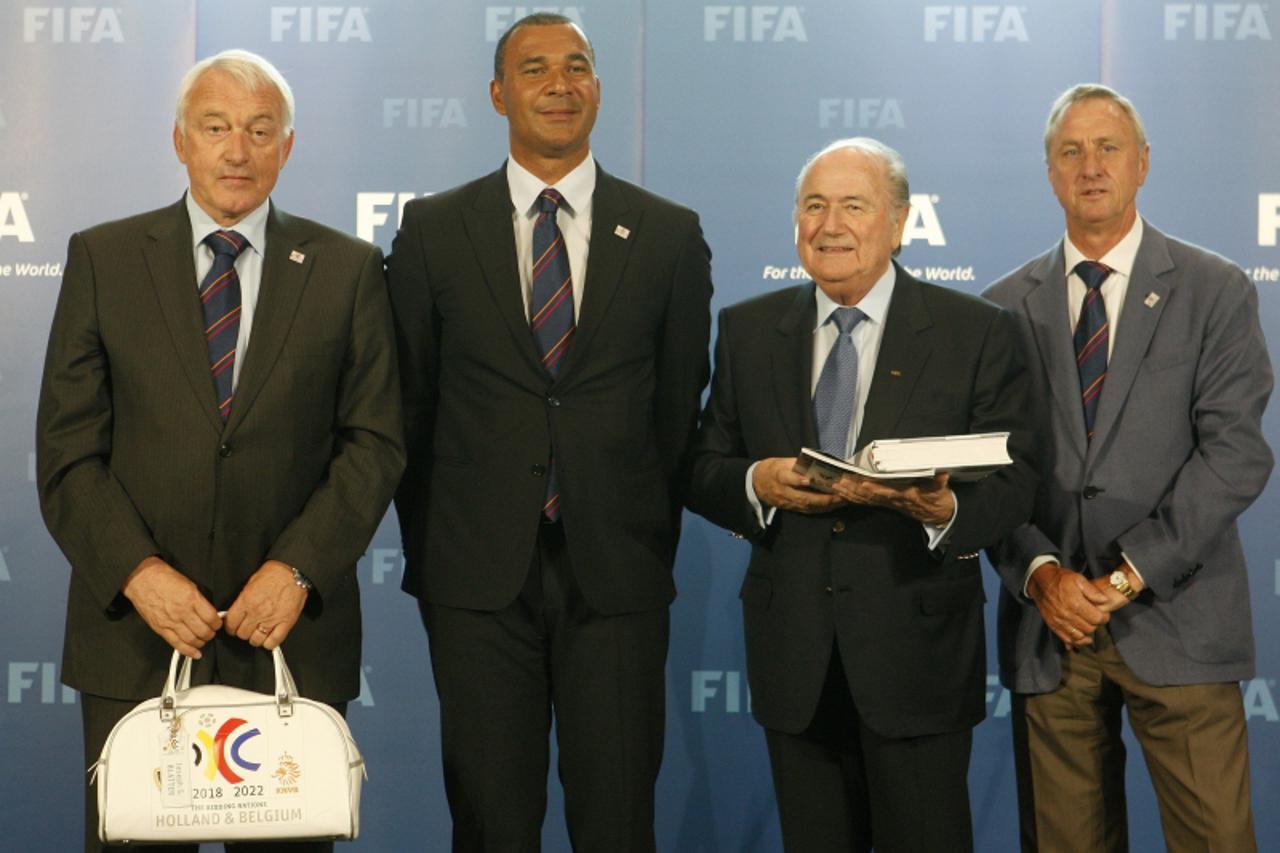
[(553, 324), (219, 423), (863, 608), (1127, 588)]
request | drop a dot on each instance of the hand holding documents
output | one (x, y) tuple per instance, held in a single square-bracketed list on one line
[(965, 457)]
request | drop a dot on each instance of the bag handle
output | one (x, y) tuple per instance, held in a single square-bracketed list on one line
[(179, 681)]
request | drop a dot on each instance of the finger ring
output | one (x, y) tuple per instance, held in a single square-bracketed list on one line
[(263, 628), (1075, 632)]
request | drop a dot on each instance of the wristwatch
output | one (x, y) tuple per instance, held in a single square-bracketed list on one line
[(303, 581), (1120, 583)]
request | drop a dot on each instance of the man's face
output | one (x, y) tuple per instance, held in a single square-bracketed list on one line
[(233, 143), (1096, 166), (549, 93), (846, 224)]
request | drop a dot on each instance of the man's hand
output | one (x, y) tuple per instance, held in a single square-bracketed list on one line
[(1115, 598), (777, 485), (929, 501), (268, 607), (1071, 605), (171, 605)]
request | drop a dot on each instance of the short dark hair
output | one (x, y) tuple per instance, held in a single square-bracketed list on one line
[(537, 19)]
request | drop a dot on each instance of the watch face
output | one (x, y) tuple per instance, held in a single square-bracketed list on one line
[(1117, 577)]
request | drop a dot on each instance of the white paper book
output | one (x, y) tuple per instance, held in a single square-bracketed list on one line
[(965, 457)]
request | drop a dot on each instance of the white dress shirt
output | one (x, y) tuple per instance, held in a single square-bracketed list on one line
[(574, 219), (253, 228)]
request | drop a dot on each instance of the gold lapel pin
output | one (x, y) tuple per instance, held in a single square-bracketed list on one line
[(297, 257), (622, 231), (895, 373), (1151, 300)]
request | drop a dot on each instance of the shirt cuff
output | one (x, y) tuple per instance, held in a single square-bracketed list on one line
[(937, 536), (764, 516), (1031, 570), (1134, 568)]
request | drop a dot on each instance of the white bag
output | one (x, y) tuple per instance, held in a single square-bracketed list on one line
[(217, 763)]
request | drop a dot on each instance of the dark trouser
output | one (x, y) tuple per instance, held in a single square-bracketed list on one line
[(502, 675), (843, 787), (1070, 759), (100, 714)]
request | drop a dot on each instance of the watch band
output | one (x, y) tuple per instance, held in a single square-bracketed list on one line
[(1121, 585), (302, 580)]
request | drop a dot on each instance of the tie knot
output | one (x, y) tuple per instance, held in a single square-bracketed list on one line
[(226, 243), (846, 318), (549, 201), (1092, 273)]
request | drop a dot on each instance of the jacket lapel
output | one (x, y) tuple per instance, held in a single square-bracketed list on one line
[(610, 215), (904, 350), (493, 241), (792, 357), (279, 292), (1138, 321), (170, 260), (1046, 308)]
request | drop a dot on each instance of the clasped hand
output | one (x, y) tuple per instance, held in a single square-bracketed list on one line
[(776, 484)]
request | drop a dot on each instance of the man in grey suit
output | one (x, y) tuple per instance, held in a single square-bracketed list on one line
[(184, 471), (1128, 586)]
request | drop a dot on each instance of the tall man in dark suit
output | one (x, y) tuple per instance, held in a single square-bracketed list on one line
[(553, 324), (1127, 588), (219, 424), (862, 609)]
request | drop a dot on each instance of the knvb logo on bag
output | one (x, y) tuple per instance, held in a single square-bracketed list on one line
[(308, 24), (71, 25), (860, 113), (1216, 22), (497, 19), (753, 23), (974, 24)]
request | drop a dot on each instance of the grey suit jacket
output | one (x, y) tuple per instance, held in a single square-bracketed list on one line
[(1177, 455), (133, 459)]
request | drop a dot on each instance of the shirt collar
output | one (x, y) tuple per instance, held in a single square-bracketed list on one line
[(252, 227), (874, 304), (576, 187), (1121, 256)]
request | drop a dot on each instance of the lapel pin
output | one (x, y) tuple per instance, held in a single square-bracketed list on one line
[(1151, 300), (297, 257), (895, 373), (622, 231)]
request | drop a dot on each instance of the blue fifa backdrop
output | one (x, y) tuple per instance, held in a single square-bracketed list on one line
[(713, 104)]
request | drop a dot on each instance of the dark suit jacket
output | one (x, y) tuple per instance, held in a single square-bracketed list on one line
[(483, 417), (133, 459), (1177, 454), (908, 621)]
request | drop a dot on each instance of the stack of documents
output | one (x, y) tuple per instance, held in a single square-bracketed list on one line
[(965, 457)]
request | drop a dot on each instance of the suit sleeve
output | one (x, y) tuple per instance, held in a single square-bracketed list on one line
[(1231, 461), (994, 506), (85, 507), (682, 363), (417, 336), (340, 517), (717, 490)]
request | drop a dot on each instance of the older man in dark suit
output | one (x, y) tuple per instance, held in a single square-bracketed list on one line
[(219, 423), (1127, 589), (863, 608), (553, 325)]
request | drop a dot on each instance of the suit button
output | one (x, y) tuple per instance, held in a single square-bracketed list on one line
[(827, 590), (224, 451), (538, 470), (1091, 492), (553, 402), (838, 527)]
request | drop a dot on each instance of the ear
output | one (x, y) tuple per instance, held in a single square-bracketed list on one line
[(286, 148), (495, 97), (1144, 163), (179, 144)]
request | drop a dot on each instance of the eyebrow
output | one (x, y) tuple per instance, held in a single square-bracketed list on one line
[(821, 197), (542, 60)]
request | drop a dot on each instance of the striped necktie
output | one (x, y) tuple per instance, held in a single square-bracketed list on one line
[(1091, 339), (220, 300), (551, 309)]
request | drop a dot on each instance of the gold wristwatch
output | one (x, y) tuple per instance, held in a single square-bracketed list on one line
[(1120, 583)]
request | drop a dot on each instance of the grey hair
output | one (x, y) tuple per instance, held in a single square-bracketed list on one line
[(537, 19), (248, 69), (1090, 91), (899, 187)]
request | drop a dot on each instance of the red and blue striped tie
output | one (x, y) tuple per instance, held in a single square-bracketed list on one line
[(220, 299), (551, 310), (1091, 339)]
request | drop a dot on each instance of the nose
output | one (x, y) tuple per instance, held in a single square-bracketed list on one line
[(237, 147), (557, 81), (832, 221), (1092, 161)]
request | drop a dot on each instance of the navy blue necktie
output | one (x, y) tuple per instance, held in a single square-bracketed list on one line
[(1091, 339), (220, 300), (551, 310), (833, 400)]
